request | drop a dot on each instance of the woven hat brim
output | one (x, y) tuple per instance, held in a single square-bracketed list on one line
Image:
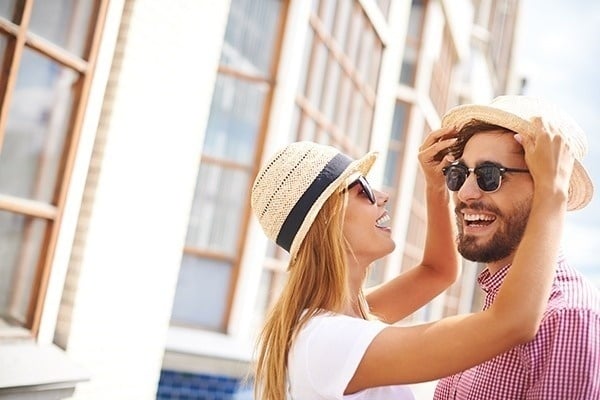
[(581, 188), (362, 165)]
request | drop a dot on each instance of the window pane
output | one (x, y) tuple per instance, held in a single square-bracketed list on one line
[(409, 66), (330, 90), (391, 166), (202, 291), (250, 35), (262, 299), (21, 239), (415, 21), (3, 41), (36, 129), (399, 120), (234, 121), (317, 74), (63, 22), (384, 6), (342, 20), (217, 210), (7, 9), (327, 13)]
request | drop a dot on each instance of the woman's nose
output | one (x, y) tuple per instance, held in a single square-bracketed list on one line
[(381, 197)]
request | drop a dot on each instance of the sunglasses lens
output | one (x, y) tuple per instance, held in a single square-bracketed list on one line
[(488, 177), (455, 177), (367, 188)]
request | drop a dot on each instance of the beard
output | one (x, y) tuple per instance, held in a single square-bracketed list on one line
[(505, 240)]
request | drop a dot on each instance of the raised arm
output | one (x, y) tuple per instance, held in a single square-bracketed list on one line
[(440, 265), (413, 354)]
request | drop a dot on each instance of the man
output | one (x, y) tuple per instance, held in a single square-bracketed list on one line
[(492, 195)]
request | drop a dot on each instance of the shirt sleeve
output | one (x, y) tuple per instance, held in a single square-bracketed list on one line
[(336, 347), (567, 364)]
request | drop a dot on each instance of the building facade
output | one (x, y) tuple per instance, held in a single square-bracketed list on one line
[(130, 133)]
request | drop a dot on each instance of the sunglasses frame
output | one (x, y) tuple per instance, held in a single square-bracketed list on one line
[(366, 187), (457, 165)]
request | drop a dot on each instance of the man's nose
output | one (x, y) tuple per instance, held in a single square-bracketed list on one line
[(470, 189)]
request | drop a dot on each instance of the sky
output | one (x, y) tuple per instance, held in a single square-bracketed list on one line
[(559, 53)]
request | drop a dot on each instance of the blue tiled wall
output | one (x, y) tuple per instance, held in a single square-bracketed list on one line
[(188, 386)]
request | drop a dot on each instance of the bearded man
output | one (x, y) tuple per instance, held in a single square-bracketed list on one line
[(492, 193)]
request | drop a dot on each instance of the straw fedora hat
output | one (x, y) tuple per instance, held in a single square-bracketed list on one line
[(515, 113), (293, 185)]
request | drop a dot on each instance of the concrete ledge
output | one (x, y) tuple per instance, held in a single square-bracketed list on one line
[(41, 372)]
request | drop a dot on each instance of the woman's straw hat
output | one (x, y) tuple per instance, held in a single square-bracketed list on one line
[(515, 113), (293, 185)]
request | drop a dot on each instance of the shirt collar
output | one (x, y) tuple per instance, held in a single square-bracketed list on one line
[(490, 283)]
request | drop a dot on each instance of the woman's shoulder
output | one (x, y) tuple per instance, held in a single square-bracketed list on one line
[(336, 321)]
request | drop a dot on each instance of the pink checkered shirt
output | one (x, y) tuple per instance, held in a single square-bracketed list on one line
[(561, 363)]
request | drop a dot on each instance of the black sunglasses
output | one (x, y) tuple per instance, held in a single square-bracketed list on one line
[(489, 175), (366, 188)]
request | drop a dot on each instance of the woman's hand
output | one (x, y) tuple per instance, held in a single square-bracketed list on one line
[(549, 160), (434, 155)]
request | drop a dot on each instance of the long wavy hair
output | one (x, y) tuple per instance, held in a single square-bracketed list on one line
[(317, 281)]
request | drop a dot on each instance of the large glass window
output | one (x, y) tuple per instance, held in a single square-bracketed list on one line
[(219, 214), (46, 47)]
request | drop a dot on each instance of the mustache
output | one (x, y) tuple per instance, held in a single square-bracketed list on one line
[(477, 206)]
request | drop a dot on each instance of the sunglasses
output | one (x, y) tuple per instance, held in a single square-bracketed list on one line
[(366, 188), (489, 175)]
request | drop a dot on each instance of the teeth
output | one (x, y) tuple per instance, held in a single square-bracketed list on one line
[(478, 217), (382, 220)]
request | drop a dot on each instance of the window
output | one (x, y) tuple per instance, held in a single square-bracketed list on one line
[(219, 214), (336, 96), (408, 71), (49, 47), (441, 75), (503, 19), (335, 100)]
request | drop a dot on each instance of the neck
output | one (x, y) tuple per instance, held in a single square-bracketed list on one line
[(352, 309), (496, 266), (357, 274)]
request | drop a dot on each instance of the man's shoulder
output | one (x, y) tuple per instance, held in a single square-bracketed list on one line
[(572, 291)]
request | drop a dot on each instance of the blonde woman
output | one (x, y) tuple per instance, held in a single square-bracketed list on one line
[(326, 339)]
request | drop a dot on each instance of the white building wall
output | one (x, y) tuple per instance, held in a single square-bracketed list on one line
[(152, 128)]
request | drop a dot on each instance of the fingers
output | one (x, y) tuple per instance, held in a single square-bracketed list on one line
[(434, 153), (435, 147), (439, 136), (547, 154)]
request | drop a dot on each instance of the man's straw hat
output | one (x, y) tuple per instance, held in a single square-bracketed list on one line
[(293, 185), (515, 113)]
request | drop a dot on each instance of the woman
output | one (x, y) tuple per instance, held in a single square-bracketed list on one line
[(324, 339)]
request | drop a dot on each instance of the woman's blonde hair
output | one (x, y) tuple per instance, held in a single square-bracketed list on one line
[(317, 281)]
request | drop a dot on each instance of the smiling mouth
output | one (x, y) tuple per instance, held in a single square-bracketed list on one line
[(381, 221), (477, 220)]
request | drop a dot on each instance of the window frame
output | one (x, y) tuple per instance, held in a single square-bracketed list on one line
[(19, 38)]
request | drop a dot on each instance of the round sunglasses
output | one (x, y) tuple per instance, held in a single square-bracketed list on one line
[(489, 175), (366, 188)]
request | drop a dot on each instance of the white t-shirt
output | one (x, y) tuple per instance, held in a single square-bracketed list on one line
[(325, 355)]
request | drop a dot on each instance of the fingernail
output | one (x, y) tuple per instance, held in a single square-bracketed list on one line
[(518, 138)]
